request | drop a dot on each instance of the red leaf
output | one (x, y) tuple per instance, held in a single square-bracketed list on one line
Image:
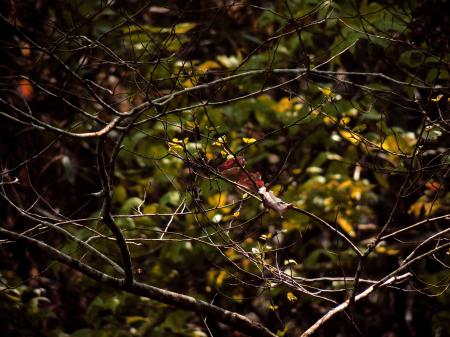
[(25, 89), (232, 163), (251, 181)]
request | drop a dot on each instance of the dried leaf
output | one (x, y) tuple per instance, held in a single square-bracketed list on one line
[(273, 202)]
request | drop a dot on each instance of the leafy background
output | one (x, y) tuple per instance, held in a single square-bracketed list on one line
[(331, 142)]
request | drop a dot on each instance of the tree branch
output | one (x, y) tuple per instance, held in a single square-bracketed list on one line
[(233, 319), (107, 217)]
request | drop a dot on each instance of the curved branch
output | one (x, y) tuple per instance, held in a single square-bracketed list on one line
[(107, 217), (388, 279), (331, 228), (345, 305), (61, 230), (237, 321)]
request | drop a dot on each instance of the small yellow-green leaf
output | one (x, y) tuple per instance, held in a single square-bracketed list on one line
[(220, 141), (326, 91), (273, 307), (266, 237), (290, 262), (184, 27), (282, 333), (438, 98), (133, 319)]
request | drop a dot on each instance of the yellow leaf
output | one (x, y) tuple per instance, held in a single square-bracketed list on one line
[(326, 91), (438, 98), (356, 191), (238, 298), (220, 141), (205, 66), (191, 124), (392, 251), (211, 276), (380, 249), (188, 83), (184, 27), (390, 144), (282, 333), (284, 104), (230, 253), (351, 137), (287, 104), (291, 297), (328, 202), (273, 307), (236, 214), (346, 226), (218, 199), (133, 319), (327, 120), (297, 171), (221, 277), (249, 140), (344, 121), (387, 251), (175, 145), (425, 206), (264, 98), (298, 106)]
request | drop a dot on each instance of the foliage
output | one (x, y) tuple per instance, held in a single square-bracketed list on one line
[(340, 109)]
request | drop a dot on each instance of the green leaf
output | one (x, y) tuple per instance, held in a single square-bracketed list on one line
[(130, 204), (432, 133), (170, 198)]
